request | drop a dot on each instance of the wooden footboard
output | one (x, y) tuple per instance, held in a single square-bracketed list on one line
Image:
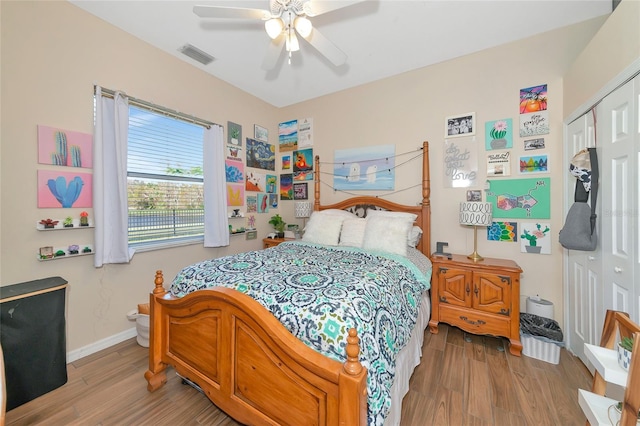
[(249, 364)]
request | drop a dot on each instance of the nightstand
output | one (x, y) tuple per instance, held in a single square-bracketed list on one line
[(272, 242), (478, 297)]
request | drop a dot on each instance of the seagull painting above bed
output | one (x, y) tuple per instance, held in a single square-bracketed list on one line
[(325, 330)]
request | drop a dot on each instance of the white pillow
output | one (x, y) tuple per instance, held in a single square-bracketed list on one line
[(387, 234), (324, 228), (340, 213), (413, 238), (352, 233), (386, 213)]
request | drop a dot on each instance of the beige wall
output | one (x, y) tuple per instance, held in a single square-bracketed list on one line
[(615, 47), (53, 53)]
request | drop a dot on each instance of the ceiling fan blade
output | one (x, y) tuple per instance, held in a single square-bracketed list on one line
[(318, 7), (327, 48), (273, 53), (230, 12)]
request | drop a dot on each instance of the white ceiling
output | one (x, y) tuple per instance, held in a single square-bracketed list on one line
[(380, 37)]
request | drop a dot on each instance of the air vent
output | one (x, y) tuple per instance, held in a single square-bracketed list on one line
[(196, 54)]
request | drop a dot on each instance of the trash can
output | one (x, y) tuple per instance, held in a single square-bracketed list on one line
[(141, 317), (541, 338)]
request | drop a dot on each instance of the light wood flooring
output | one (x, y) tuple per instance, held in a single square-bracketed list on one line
[(462, 380)]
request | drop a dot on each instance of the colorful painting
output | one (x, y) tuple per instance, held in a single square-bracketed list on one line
[(360, 169), (234, 171), (288, 135), (534, 164), (302, 176), (520, 198), (234, 134), (533, 124), (535, 238), (261, 155), (235, 194), (498, 134), (503, 231), (286, 162), (263, 203), (533, 99), (234, 153), (300, 191), (64, 147), (256, 181), (286, 187), (273, 201), (272, 184), (252, 204), (251, 222), (303, 160), (64, 189)]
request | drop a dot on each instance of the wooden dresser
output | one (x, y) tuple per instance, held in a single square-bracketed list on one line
[(478, 297), (272, 242)]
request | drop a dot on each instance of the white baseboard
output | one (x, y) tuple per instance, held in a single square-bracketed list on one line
[(100, 345)]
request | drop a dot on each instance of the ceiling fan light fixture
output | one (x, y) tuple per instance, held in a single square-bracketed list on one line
[(292, 42), (303, 26), (274, 27)]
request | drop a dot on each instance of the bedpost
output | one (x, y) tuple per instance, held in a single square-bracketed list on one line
[(156, 375), (316, 181), (159, 281), (426, 202), (354, 382)]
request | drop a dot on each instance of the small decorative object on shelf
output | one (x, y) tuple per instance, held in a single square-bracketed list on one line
[(624, 352), (49, 223), (74, 249), (84, 219), (86, 250), (59, 253), (46, 252), (68, 222)]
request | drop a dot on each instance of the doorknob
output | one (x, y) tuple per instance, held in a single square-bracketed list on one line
[(591, 257), (617, 269)]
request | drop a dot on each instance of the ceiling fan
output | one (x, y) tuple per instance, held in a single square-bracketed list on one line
[(282, 22)]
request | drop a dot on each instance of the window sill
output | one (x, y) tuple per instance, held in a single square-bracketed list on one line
[(143, 247)]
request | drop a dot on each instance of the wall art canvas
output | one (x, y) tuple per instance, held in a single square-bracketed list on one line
[(261, 133), (263, 203), (288, 135), (499, 164), (303, 164), (234, 134), (234, 153), (286, 162), (64, 189), (534, 163), (360, 169), (503, 231), (286, 187), (252, 204), (235, 194), (300, 191), (533, 99), (533, 124), (64, 147), (498, 134), (272, 184), (273, 201), (460, 125), (535, 238), (256, 181), (305, 133), (261, 155), (234, 171), (532, 144), (460, 163), (520, 198)]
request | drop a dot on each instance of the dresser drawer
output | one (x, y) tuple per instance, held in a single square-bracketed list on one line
[(475, 321)]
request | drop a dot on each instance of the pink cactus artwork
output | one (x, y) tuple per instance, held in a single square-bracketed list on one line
[(64, 147), (64, 189)]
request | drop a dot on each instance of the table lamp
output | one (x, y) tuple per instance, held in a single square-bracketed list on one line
[(476, 214), (303, 210)]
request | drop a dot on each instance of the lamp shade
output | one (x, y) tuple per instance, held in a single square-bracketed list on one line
[(274, 27), (475, 213), (303, 26), (303, 209)]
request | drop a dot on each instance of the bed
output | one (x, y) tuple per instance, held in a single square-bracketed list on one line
[(248, 363)]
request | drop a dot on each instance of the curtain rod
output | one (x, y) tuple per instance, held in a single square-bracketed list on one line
[(160, 109)]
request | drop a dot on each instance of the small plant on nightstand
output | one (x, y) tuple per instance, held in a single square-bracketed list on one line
[(278, 224)]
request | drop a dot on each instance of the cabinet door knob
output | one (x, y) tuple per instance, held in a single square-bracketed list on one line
[(617, 269), (475, 290), (468, 289)]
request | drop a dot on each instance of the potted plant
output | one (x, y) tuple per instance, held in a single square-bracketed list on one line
[(278, 224), (624, 352), (48, 223), (68, 222)]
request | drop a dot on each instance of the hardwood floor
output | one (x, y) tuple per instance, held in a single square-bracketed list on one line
[(463, 380)]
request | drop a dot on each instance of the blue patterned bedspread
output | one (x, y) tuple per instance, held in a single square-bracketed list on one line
[(319, 292)]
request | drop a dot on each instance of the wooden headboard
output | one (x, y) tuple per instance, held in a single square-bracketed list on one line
[(422, 208)]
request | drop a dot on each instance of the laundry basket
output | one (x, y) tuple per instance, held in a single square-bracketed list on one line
[(141, 317)]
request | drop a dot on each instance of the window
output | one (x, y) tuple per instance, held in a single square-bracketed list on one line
[(164, 179)]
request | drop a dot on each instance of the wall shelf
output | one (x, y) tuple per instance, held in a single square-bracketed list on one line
[(66, 253), (61, 227), (606, 362)]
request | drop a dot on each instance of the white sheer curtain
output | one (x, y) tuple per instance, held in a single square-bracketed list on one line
[(110, 179), (216, 223)]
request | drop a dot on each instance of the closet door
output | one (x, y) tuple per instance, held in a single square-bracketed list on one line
[(618, 136), (584, 290)]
